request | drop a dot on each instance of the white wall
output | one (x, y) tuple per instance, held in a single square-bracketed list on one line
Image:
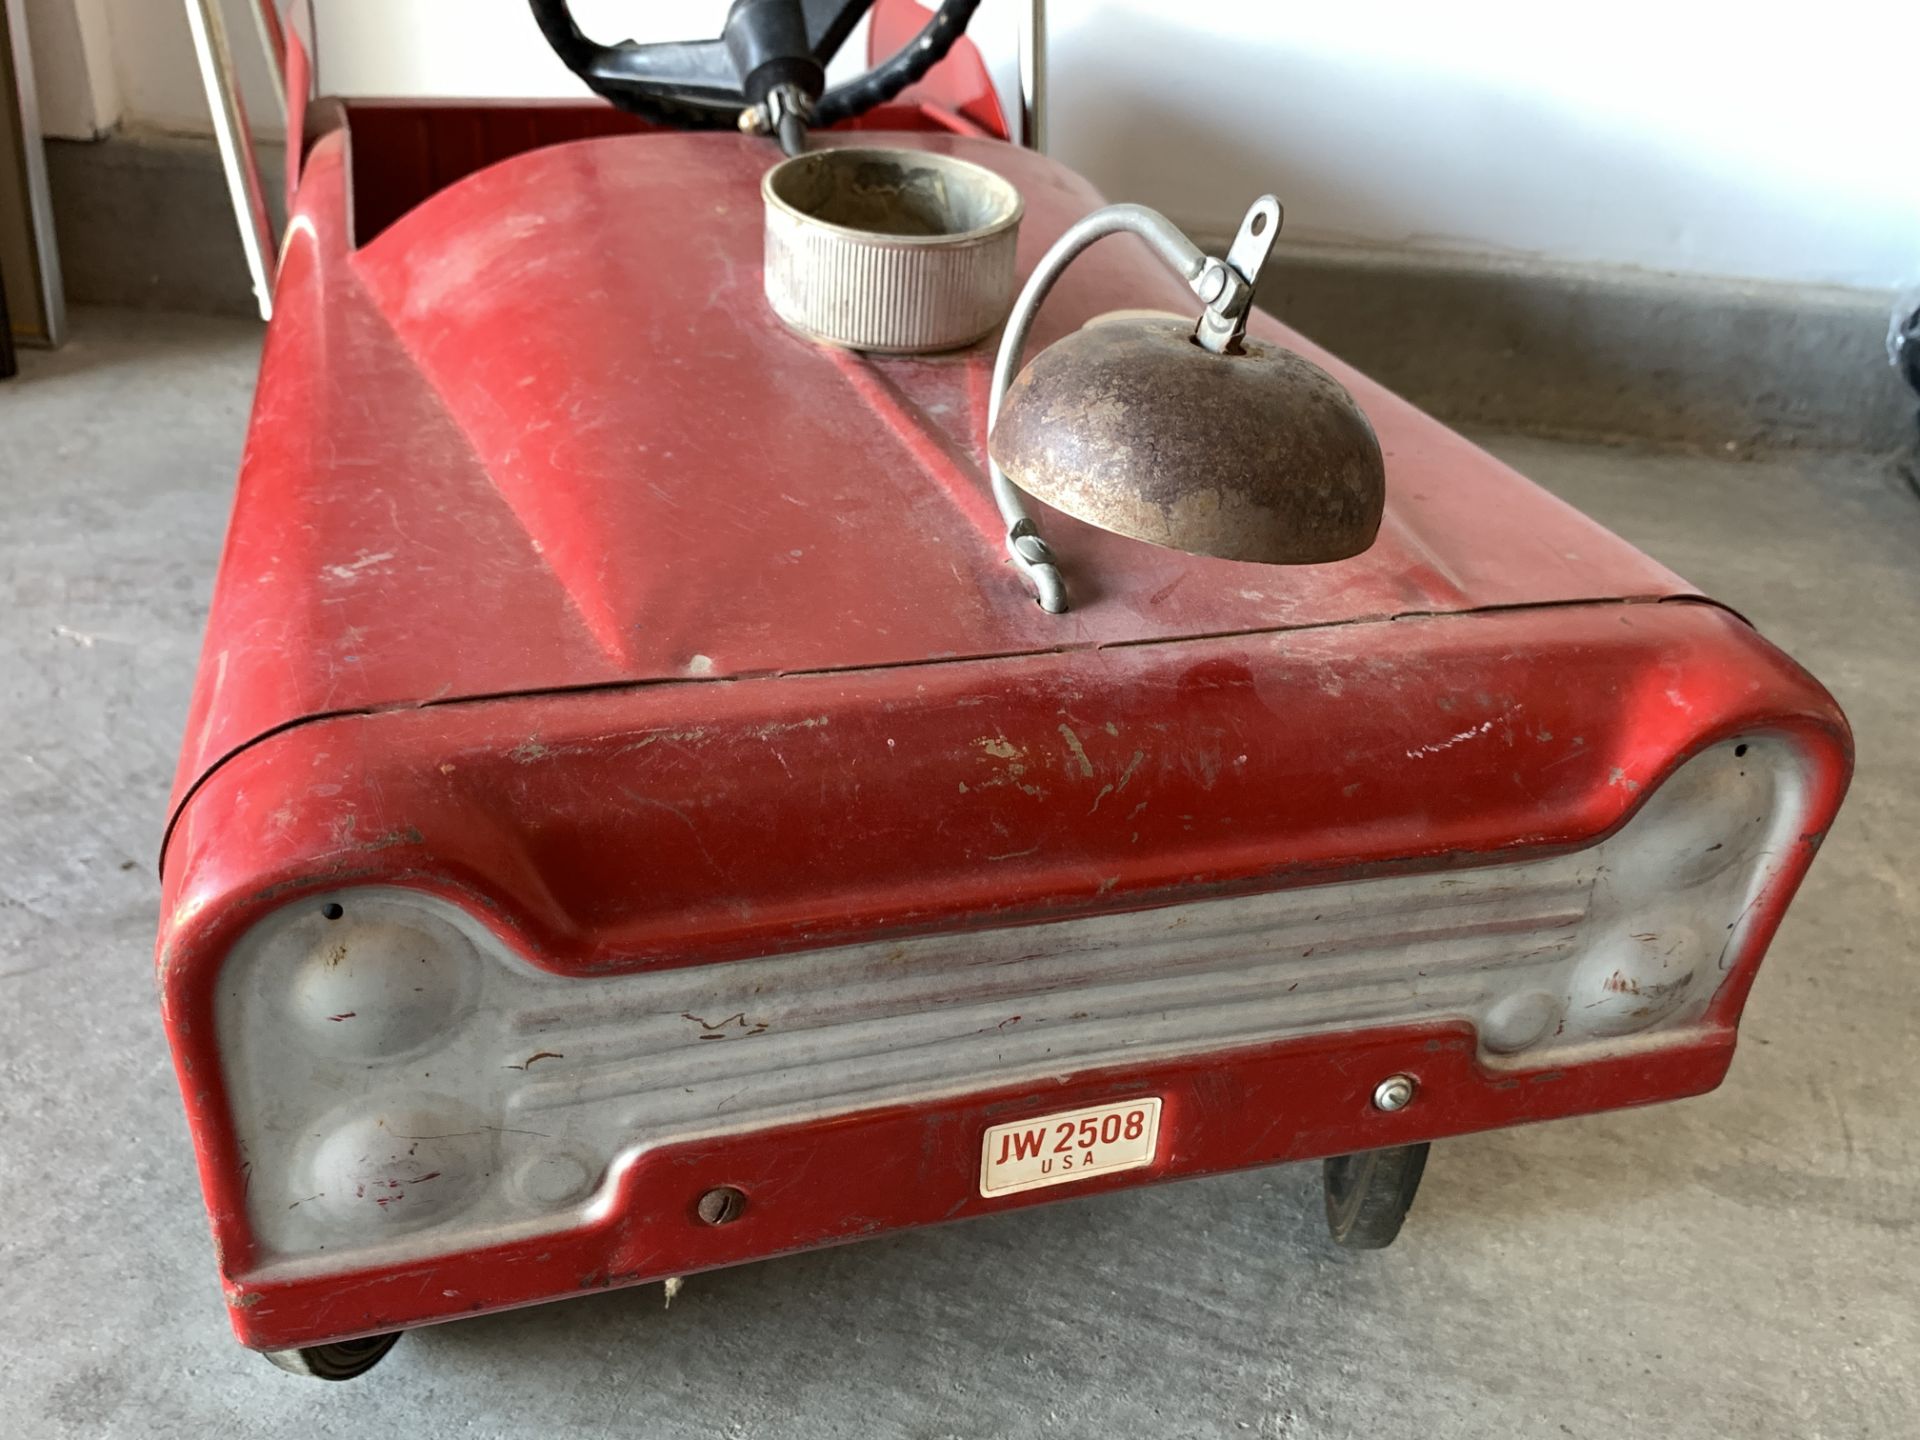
[(393, 47), (1753, 140), (101, 63), (159, 79), (72, 48)]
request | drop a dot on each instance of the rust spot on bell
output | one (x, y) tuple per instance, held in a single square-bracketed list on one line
[(1132, 426)]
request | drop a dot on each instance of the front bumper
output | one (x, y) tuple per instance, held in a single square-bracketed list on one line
[(852, 1177), (1433, 837)]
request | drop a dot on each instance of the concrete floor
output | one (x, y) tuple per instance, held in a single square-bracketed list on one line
[(1741, 1265)]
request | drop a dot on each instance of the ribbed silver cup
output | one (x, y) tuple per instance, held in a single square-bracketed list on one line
[(892, 250)]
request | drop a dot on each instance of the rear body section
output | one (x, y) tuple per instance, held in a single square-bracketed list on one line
[(624, 767)]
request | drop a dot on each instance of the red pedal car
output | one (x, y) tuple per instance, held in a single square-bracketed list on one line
[(634, 817)]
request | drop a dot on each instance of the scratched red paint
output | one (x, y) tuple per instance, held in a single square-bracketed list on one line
[(564, 584)]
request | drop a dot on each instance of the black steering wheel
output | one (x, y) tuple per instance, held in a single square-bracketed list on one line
[(766, 72)]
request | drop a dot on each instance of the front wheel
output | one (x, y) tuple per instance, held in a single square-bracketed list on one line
[(1369, 1194), (343, 1360)]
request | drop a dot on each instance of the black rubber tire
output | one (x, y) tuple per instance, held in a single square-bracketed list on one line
[(344, 1360), (1369, 1194)]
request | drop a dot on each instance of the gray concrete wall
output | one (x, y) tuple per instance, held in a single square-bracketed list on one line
[(1605, 353)]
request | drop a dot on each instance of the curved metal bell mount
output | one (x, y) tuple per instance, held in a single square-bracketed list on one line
[(1191, 437)]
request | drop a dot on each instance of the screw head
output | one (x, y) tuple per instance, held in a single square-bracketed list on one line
[(721, 1205), (1032, 549), (1393, 1093), (1213, 282)]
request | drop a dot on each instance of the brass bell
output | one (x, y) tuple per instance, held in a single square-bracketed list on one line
[(1182, 434)]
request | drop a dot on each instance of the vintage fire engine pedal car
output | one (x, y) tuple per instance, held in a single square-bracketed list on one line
[(659, 794)]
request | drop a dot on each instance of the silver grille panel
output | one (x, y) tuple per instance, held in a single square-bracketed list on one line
[(974, 1010)]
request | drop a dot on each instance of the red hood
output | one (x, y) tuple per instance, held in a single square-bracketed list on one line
[(544, 433)]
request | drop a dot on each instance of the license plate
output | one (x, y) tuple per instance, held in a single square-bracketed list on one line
[(1072, 1145)]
